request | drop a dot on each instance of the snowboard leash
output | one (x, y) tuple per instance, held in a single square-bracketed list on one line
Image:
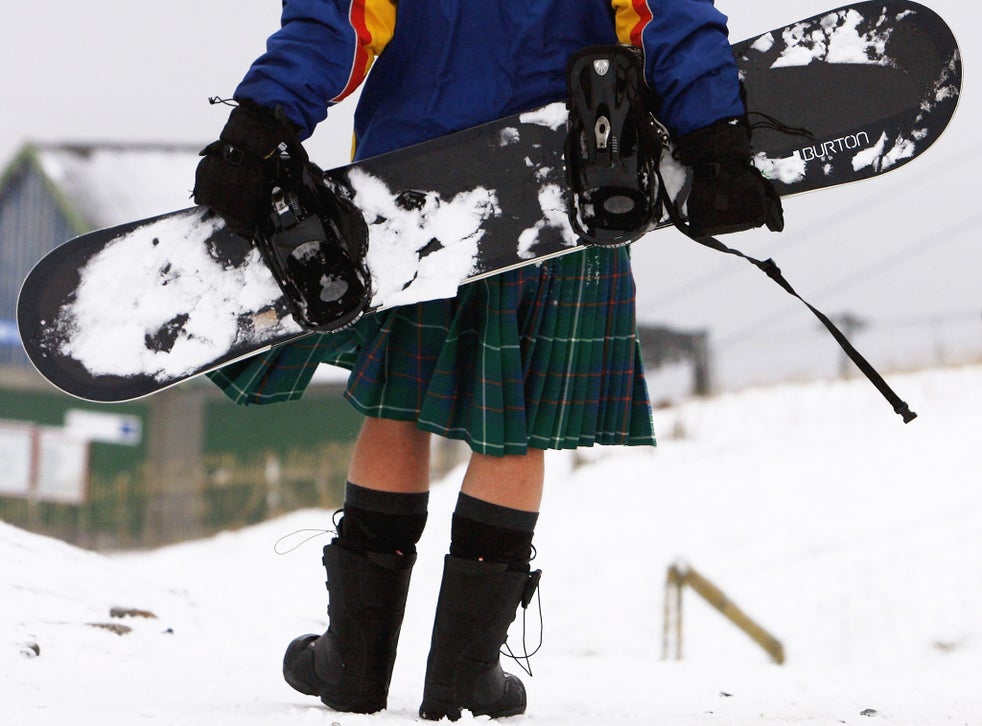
[(770, 268)]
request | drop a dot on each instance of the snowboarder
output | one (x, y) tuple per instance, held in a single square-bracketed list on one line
[(545, 357)]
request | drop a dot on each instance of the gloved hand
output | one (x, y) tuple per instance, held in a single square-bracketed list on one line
[(728, 194), (236, 174)]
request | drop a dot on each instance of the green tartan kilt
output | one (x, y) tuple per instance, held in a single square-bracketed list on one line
[(545, 356)]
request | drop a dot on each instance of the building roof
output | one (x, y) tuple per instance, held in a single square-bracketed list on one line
[(104, 184)]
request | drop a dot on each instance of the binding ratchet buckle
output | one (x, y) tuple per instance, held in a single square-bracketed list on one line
[(314, 242), (613, 145)]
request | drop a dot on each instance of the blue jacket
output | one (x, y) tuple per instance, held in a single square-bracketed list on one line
[(443, 65)]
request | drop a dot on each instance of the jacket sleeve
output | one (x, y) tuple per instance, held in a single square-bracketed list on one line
[(320, 54), (687, 59)]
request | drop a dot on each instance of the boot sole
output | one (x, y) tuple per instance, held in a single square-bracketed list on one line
[(433, 709), (435, 713)]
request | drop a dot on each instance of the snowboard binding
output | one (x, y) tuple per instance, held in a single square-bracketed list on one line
[(314, 241), (613, 145)]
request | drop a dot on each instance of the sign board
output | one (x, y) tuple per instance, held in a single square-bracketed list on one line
[(15, 452), (106, 428), (43, 464), (63, 467)]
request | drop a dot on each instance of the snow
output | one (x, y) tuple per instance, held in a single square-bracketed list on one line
[(851, 537), (553, 116), (789, 170), (764, 43), (133, 288), (424, 250), (398, 235), (836, 39), (554, 216)]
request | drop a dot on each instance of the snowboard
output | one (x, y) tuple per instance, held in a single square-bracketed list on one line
[(121, 313)]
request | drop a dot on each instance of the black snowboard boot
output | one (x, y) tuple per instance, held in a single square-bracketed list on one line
[(349, 667), (477, 603)]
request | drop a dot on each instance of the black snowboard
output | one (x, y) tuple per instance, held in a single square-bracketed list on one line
[(124, 312)]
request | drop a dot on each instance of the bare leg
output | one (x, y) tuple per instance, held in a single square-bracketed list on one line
[(391, 456), (509, 481)]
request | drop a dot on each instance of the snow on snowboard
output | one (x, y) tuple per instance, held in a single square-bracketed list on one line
[(124, 312)]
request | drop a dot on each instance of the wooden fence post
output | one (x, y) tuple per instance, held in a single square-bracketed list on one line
[(680, 575)]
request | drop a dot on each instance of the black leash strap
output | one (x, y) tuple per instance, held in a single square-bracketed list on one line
[(770, 268)]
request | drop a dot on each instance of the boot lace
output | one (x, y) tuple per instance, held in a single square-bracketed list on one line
[(524, 659), (311, 534)]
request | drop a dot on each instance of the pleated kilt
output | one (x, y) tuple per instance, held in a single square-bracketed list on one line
[(546, 357)]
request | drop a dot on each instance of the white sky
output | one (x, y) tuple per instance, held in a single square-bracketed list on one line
[(123, 70)]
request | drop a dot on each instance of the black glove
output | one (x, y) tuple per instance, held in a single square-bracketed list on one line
[(236, 175), (728, 194)]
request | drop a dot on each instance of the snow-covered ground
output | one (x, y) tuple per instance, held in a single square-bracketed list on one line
[(856, 540)]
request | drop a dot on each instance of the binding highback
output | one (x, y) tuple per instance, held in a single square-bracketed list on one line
[(611, 151)]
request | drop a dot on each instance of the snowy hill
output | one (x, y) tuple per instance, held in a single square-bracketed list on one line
[(853, 538)]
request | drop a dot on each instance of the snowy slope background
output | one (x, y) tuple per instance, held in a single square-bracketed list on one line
[(853, 538), (900, 252)]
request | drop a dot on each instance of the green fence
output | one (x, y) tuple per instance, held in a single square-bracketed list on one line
[(182, 464), (263, 460), (113, 496)]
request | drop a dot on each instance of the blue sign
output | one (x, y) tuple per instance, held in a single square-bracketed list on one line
[(8, 333), (108, 428)]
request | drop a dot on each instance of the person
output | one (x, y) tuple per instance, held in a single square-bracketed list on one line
[(544, 357)]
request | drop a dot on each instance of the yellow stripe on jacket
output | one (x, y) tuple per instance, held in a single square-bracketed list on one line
[(373, 22), (631, 17)]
